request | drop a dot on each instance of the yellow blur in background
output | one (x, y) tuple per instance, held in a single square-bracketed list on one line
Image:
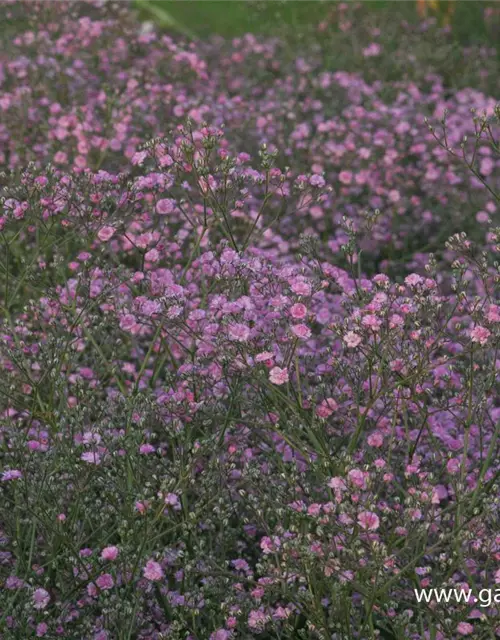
[(442, 9)]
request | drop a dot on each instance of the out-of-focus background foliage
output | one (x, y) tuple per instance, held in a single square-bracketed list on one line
[(469, 21)]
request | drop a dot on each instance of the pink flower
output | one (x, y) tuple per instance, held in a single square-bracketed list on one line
[(264, 356), (278, 376), (480, 334), (105, 581), (142, 507), (153, 255), (465, 628), (372, 322), (493, 314), (345, 177), (270, 545), (127, 322), (368, 521), (165, 206), (41, 598), (239, 332), (110, 553), (220, 634), (352, 339), (106, 233), (381, 279), (357, 478), (12, 474), (372, 50), (314, 509), (337, 483), (139, 157), (301, 288), (413, 280), (301, 331), (396, 321), (92, 457), (298, 311), (153, 571), (172, 500), (376, 439), (326, 408), (317, 181), (257, 619), (145, 449)]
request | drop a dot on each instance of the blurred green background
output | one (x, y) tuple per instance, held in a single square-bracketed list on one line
[(231, 18)]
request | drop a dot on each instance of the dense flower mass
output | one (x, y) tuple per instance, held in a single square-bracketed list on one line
[(250, 335)]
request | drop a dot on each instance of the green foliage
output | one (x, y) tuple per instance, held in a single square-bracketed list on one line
[(233, 18)]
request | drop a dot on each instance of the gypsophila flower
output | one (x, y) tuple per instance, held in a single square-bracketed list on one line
[(352, 339), (41, 598), (110, 553), (278, 375), (91, 457), (106, 233), (368, 520), (153, 571), (480, 334), (105, 582), (245, 379)]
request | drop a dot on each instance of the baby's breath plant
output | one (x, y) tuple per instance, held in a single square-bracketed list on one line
[(249, 341)]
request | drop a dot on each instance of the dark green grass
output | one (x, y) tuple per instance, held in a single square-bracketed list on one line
[(232, 18)]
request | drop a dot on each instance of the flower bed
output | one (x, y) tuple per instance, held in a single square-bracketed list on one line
[(250, 354)]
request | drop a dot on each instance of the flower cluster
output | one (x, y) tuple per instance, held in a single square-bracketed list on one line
[(233, 404)]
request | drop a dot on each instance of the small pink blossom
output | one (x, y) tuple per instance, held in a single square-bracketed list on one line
[(298, 311), (146, 449), (110, 553), (270, 545), (372, 322), (301, 288), (337, 483), (278, 375), (105, 582), (453, 466), (106, 233), (465, 628), (352, 339), (153, 571), (345, 177), (372, 50), (153, 255), (357, 478), (302, 331), (480, 334), (41, 598), (317, 181), (413, 280), (368, 521), (239, 332), (376, 439), (92, 457), (326, 408), (165, 206), (11, 474), (264, 356), (493, 314), (127, 322), (257, 619)]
